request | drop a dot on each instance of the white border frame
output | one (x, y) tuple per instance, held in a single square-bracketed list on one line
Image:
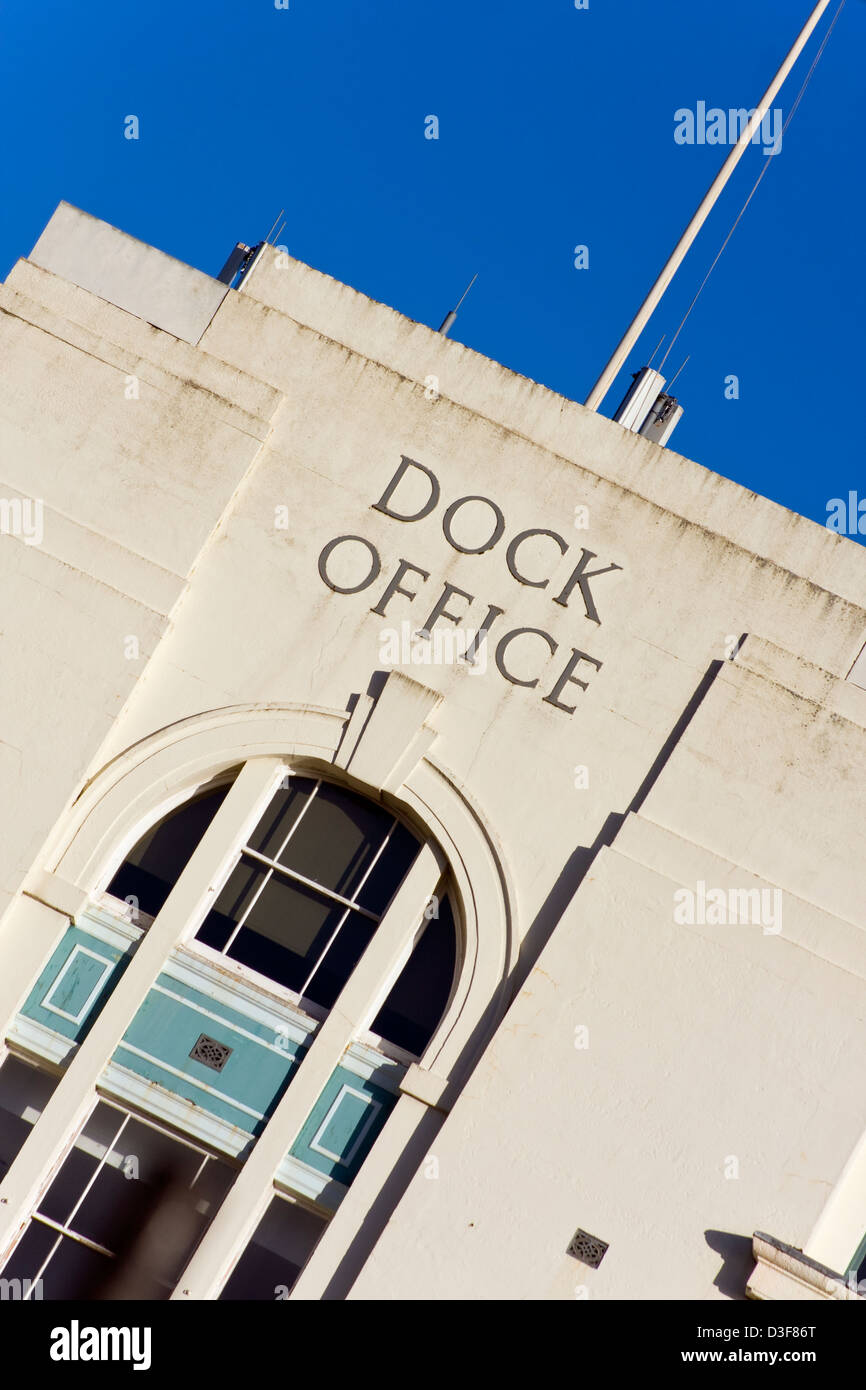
[(78, 949), (346, 1160)]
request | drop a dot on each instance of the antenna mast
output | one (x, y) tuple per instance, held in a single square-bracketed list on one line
[(639, 322)]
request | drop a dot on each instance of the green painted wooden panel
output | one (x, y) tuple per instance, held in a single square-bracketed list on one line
[(343, 1124), (74, 984)]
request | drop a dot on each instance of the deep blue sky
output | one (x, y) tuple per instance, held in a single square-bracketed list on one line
[(556, 128)]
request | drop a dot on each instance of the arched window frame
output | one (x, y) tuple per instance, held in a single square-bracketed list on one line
[(147, 781), (298, 1000), (143, 783)]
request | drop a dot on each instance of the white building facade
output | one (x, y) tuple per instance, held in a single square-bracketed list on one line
[(433, 835)]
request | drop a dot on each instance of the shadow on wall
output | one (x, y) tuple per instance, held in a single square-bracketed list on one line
[(738, 1262), (580, 860), (737, 1250)]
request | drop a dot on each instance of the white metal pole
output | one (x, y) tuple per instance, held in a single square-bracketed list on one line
[(639, 322)]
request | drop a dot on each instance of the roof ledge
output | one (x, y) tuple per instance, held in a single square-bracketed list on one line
[(785, 1274)]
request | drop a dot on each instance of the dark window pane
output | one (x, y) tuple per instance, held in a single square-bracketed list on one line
[(286, 932), (154, 1218), (150, 1204), (153, 867), (13, 1132), (32, 1249), (74, 1271), (151, 1155), (337, 839), (390, 869), (417, 1002), (211, 1184), (281, 816), (81, 1163), (340, 960), (142, 1158), (233, 901), (285, 1237), (103, 1125), (24, 1093), (60, 1199), (109, 1208)]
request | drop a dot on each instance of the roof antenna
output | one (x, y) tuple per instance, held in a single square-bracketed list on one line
[(275, 221), (644, 313), (676, 374), (448, 321), (655, 350), (243, 258)]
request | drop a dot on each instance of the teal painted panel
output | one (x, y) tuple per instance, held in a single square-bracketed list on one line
[(236, 1016), (74, 984), (158, 1043), (343, 1125), (78, 984)]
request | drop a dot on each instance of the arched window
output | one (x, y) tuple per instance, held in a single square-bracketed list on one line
[(304, 896), (302, 882), (150, 871)]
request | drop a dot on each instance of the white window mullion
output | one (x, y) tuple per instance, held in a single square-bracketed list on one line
[(187, 904), (367, 872), (263, 859), (226, 1238)]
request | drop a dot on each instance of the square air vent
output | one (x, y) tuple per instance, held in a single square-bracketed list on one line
[(211, 1053), (586, 1248)]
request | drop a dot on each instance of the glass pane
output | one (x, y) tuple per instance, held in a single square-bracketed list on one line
[(30, 1253), (60, 1199), (151, 1202), (157, 1222), (101, 1129), (211, 1186), (340, 960), (284, 1239), (153, 867), (109, 1209), (81, 1163), (241, 887), (281, 816), (286, 932), (337, 839), (151, 1154), (24, 1093), (116, 1205), (417, 1002), (391, 868), (74, 1271)]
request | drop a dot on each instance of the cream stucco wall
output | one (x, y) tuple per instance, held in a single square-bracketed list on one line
[(190, 484)]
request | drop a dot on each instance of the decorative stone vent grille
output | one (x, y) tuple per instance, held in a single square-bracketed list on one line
[(586, 1248), (211, 1053)]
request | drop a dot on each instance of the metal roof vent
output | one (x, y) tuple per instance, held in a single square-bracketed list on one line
[(588, 1249), (211, 1053)]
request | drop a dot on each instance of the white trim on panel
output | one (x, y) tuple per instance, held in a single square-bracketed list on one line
[(38, 1040), (297, 1178), (109, 926), (223, 1022), (92, 996), (197, 972), (118, 1083), (345, 1160), (193, 1081), (366, 1062)]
